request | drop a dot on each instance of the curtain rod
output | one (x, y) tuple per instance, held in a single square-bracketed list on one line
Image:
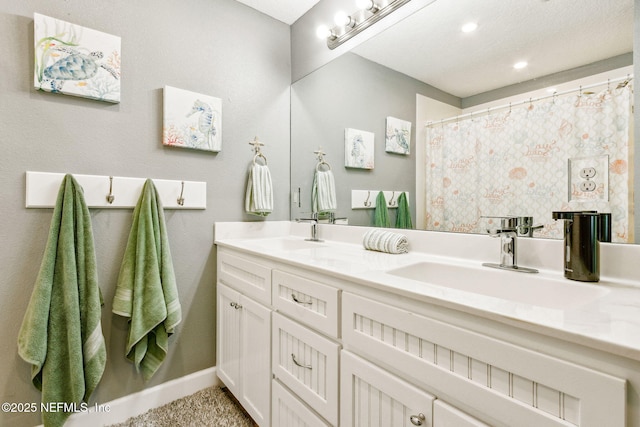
[(626, 80)]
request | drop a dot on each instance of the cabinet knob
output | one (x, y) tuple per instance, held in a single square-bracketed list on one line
[(235, 305), (417, 420)]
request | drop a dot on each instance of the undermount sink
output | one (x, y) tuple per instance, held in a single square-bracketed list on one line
[(518, 287), (288, 244)]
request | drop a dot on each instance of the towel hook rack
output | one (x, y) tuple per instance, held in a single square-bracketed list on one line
[(110, 196), (321, 161), (367, 202), (181, 198)]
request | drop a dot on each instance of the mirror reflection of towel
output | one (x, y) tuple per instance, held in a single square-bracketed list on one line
[(323, 194), (403, 218), (382, 212)]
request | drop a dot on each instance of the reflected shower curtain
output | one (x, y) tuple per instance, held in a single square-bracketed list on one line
[(515, 163)]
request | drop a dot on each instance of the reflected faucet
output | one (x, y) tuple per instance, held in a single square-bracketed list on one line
[(314, 227), (510, 229)]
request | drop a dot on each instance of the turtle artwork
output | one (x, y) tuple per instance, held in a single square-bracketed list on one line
[(398, 136), (74, 60)]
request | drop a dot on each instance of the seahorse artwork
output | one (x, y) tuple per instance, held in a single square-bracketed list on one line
[(192, 120), (358, 149), (206, 121), (74, 60)]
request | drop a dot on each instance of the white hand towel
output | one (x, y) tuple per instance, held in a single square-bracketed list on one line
[(324, 192), (385, 241), (259, 195)]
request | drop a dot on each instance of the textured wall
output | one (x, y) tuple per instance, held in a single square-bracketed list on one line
[(216, 47)]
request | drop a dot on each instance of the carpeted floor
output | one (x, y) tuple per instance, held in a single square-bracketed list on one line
[(209, 407)]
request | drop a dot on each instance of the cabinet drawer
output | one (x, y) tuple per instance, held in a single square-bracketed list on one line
[(372, 397), (445, 415), (309, 302), (289, 411), (250, 278), (511, 384), (307, 363)]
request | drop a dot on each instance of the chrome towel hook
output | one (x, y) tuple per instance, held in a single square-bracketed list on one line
[(367, 203), (110, 196), (392, 202), (181, 198)]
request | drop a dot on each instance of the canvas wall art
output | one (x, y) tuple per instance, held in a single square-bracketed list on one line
[(75, 60), (398, 136), (358, 149), (192, 120)]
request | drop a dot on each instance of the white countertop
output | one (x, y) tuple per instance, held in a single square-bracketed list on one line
[(608, 321)]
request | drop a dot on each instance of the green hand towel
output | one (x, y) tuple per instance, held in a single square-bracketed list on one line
[(382, 212), (146, 292), (61, 334), (403, 216)]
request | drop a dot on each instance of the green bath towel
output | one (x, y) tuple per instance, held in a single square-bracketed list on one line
[(146, 292), (61, 335), (403, 218), (382, 212)]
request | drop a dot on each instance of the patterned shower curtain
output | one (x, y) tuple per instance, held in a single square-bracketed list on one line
[(526, 161)]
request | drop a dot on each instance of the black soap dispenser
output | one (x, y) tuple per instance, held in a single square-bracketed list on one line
[(582, 232)]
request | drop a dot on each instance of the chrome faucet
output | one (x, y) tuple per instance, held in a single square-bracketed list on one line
[(510, 229), (314, 227)]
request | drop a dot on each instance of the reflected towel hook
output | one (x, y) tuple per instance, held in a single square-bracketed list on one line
[(110, 196), (367, 203), (392, 202), (181, 199)]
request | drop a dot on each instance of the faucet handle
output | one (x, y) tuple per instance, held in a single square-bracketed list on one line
[(507, 223)]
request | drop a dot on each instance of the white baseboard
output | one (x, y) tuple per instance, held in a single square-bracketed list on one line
[(121, 409)]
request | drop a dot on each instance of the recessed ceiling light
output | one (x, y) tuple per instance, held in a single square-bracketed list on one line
[(520, 65), (469, 27)]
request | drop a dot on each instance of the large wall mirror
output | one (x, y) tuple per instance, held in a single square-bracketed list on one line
[(423, 83)]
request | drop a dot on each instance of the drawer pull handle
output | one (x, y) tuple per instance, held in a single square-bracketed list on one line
[(235, 305), (293, 357), (295, 299), (417, 420)]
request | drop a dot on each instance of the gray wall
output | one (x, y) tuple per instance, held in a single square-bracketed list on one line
[(353, 92), (216, 47)]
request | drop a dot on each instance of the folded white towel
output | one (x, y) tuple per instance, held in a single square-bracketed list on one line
[(259, 195), (385, 241), (323, 195)]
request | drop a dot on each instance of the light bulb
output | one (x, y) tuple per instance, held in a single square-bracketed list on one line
[(341, 19), (520, 65), (469, 27), (323, 32), (364, 4)]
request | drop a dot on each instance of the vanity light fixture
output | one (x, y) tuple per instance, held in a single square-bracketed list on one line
[(347, 26)]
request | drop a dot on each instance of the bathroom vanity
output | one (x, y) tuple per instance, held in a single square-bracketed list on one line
[(330, 334)]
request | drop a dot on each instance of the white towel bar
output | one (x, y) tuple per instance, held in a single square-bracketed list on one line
[(42, 191)]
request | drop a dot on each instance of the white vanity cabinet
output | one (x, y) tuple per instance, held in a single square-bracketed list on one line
[(507, 384), (303, 348), (372, 397), (305, 351), (243, 340)]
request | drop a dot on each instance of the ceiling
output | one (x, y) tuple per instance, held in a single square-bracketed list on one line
[(287, 11), (551, 35)]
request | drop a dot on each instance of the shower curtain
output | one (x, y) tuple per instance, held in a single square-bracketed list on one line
[(516, 163)]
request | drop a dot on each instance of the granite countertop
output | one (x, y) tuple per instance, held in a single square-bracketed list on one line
[(604, 316)]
